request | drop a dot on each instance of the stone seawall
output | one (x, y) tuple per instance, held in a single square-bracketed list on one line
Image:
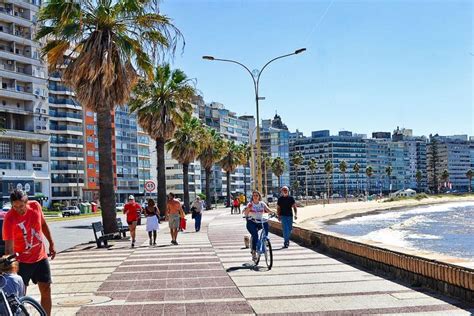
[(440, 276)]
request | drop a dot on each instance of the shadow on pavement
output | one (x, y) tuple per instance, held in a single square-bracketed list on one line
[(247, 266)]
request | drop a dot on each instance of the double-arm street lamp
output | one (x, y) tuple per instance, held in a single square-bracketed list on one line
[(255, 75)]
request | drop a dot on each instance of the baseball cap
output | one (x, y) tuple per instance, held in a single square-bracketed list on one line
[(284, 188), (131, 197)]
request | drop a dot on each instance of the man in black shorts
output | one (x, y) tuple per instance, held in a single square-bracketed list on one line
[(24, 229), (285, 207)]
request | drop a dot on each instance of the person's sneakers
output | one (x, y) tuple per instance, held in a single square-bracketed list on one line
[(133, 245), (254, 255), (174, 242), (150, 242), (285, 246), (154, 243)]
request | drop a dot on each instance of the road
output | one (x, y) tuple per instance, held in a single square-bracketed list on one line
[(69, 233)]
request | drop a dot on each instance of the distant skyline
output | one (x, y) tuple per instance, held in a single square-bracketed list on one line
[(370, 65)]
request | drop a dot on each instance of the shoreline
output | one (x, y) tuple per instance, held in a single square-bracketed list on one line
[(316, 217)]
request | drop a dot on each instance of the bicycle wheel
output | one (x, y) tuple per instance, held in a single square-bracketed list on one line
[(30, 307), (257, 253), (268, 254)]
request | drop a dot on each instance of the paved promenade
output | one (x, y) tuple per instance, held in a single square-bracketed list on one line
[(210, 273)]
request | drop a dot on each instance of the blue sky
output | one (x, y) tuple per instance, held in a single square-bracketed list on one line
[(370, 65)]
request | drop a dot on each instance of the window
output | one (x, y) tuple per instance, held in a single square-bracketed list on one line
[(38, 187), (19, 151), (20, 166), (37, 166), (90, 127), (90, 153), (91, 166), (5, 150), (90, 114), (5, 165), (90, 139), (36, 150)]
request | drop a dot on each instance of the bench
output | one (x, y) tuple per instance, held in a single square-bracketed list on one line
[(100, 236), (122, 229)]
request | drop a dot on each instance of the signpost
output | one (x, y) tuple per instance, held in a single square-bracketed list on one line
[(150, 186)]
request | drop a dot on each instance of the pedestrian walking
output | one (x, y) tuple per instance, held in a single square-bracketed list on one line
[(236, 205), (133, 210), (285, 206), (174, 214), (196, 209), (152, 214), (24, 230)]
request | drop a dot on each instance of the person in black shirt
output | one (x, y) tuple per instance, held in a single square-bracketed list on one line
[(285, 207)]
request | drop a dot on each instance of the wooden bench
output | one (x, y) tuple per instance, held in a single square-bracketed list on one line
[(100, 236), (122, 229)]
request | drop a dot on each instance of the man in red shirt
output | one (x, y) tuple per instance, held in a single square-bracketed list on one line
[(132, 209), (24, 229)]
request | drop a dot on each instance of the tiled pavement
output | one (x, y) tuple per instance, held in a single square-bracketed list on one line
[(210, 273)]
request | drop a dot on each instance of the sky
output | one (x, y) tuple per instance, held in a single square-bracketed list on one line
[(369, 65)]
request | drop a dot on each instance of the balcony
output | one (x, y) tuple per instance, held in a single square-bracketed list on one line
[(65, 140), (65, 115), (65, 128), (68, 167), (67, 180), (25, 135), (16, 16), (67, 154)]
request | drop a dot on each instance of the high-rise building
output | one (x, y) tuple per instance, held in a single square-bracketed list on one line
[(275, 142), (67, 143), (451, 153), (24, 110), (324, 147), (231, 127)]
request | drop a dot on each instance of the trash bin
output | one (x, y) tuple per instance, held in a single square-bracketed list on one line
[(93, 207)]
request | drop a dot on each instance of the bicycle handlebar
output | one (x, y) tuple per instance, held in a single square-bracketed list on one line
[(262, 220)]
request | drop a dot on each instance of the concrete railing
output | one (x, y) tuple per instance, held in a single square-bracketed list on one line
[(444, 277)]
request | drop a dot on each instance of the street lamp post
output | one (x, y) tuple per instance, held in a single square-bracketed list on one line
[(256, 81)]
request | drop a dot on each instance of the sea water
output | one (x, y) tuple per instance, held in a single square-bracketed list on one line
[(443, 228)]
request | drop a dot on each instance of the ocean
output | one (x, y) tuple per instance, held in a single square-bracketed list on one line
[(442, 228)]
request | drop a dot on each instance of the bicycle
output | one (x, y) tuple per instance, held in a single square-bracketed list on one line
[(18, 306), (264, 245)]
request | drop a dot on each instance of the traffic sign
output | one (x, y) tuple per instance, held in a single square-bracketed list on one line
[(150, 186)]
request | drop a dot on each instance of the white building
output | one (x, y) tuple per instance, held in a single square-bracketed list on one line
[(24, 109)]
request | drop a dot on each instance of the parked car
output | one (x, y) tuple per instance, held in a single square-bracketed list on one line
[(70, 211), (335, 195), (119, 206), (6, 207)]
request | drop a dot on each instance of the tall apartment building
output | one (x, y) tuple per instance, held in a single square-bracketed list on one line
[(24, 109), (67, 143), (471, 151), (451, 153), (323, 147), (131, 156), (275, 140), (232, 127)]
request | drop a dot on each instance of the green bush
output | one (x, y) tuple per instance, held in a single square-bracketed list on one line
[(202, 196), (421, 196)]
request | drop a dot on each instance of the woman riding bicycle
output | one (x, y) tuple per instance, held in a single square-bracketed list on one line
[(255, 210)]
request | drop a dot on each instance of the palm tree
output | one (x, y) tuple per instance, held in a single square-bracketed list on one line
[(296, 187), (212, 151), (161, 105), (278, 168), (297, 160), (185, 147), (231, 159), (469, 175), (343, 169), (432, 161), (313, 166), (356, 169), (109, 41), (445, 176), (266, 162), (328, 168), (419, 178), (369, 172), (388, 171)]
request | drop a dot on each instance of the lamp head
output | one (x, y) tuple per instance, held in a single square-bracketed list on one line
[(208, 57), (300, 50)]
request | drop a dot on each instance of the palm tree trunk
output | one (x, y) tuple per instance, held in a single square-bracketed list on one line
[(208, 189), (279, 182), (106, 177), (228, 189), (345, 187), (327, 186), (161, 178), (186, 186)]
